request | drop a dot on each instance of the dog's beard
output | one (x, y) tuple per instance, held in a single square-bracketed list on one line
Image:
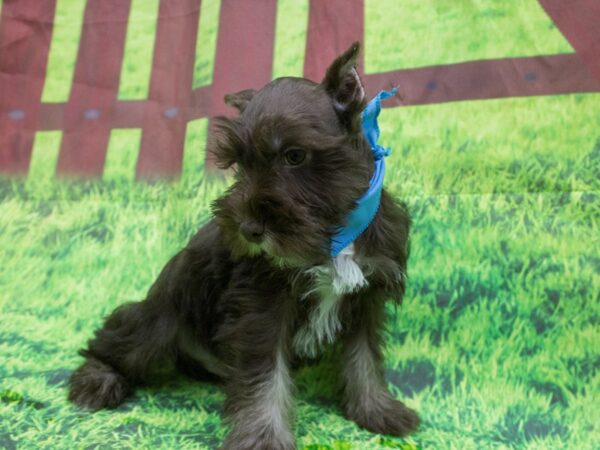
[(295, 251), (283, 250), (287, 248), (273, 252)]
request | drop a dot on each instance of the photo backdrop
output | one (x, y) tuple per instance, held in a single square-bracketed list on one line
[(495, 135)]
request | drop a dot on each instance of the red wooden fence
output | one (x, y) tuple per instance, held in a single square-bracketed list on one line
[(244, 59)]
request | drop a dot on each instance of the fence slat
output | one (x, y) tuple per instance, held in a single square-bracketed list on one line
[(163, 135), (25, 33), (244, 57), (486, 79), (94, 90), (333, 25), (579, 22)]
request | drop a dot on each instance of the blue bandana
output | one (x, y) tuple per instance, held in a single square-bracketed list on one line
[(367, 205)]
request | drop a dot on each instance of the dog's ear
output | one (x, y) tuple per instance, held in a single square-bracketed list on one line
[(226, 141), (240, 100), (344, 85)]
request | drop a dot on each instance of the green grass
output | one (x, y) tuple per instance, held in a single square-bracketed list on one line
[(290, 38), (206, 42), (121, 155), (44, 157), (137, 56), (415, 33), (68, 21), (497, 342), (516, 145)]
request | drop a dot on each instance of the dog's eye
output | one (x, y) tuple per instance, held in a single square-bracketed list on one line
[(294, 156)]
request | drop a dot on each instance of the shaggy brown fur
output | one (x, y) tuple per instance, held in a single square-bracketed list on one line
[(233, 301)]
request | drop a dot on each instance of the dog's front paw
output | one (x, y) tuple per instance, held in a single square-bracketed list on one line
[(237, 440), (96, 385), (384, 414)]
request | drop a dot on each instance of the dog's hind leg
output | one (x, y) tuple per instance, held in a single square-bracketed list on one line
[(135, 338), (140, 337)]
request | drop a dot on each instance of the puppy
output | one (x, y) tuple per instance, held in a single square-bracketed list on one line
[(259, 286)]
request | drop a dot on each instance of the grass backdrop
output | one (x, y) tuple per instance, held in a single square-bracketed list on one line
[(497, 342)]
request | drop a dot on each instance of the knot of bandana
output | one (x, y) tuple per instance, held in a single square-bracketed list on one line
[(370, 127), (367, 205)]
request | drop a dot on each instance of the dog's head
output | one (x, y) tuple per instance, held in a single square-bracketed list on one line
[(300, 163)]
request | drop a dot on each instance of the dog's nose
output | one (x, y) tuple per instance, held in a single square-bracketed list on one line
[(252, 230)]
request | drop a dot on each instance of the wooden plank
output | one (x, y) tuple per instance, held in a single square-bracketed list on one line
[(333, 26), (473, 80), (25, 34), (244, 57), (163, 135), (126, 113), (478, 80), (94, 91), (579, 22)]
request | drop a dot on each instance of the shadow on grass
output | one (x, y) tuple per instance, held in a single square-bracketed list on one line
[(417, 374), (526, 426)]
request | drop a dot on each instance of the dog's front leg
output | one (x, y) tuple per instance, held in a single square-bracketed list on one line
[(368, 401), (258, 406)]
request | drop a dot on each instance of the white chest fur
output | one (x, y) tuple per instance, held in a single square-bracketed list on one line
[(330, 283)]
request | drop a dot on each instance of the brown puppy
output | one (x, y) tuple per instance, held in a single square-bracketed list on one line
[(256, 287)]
